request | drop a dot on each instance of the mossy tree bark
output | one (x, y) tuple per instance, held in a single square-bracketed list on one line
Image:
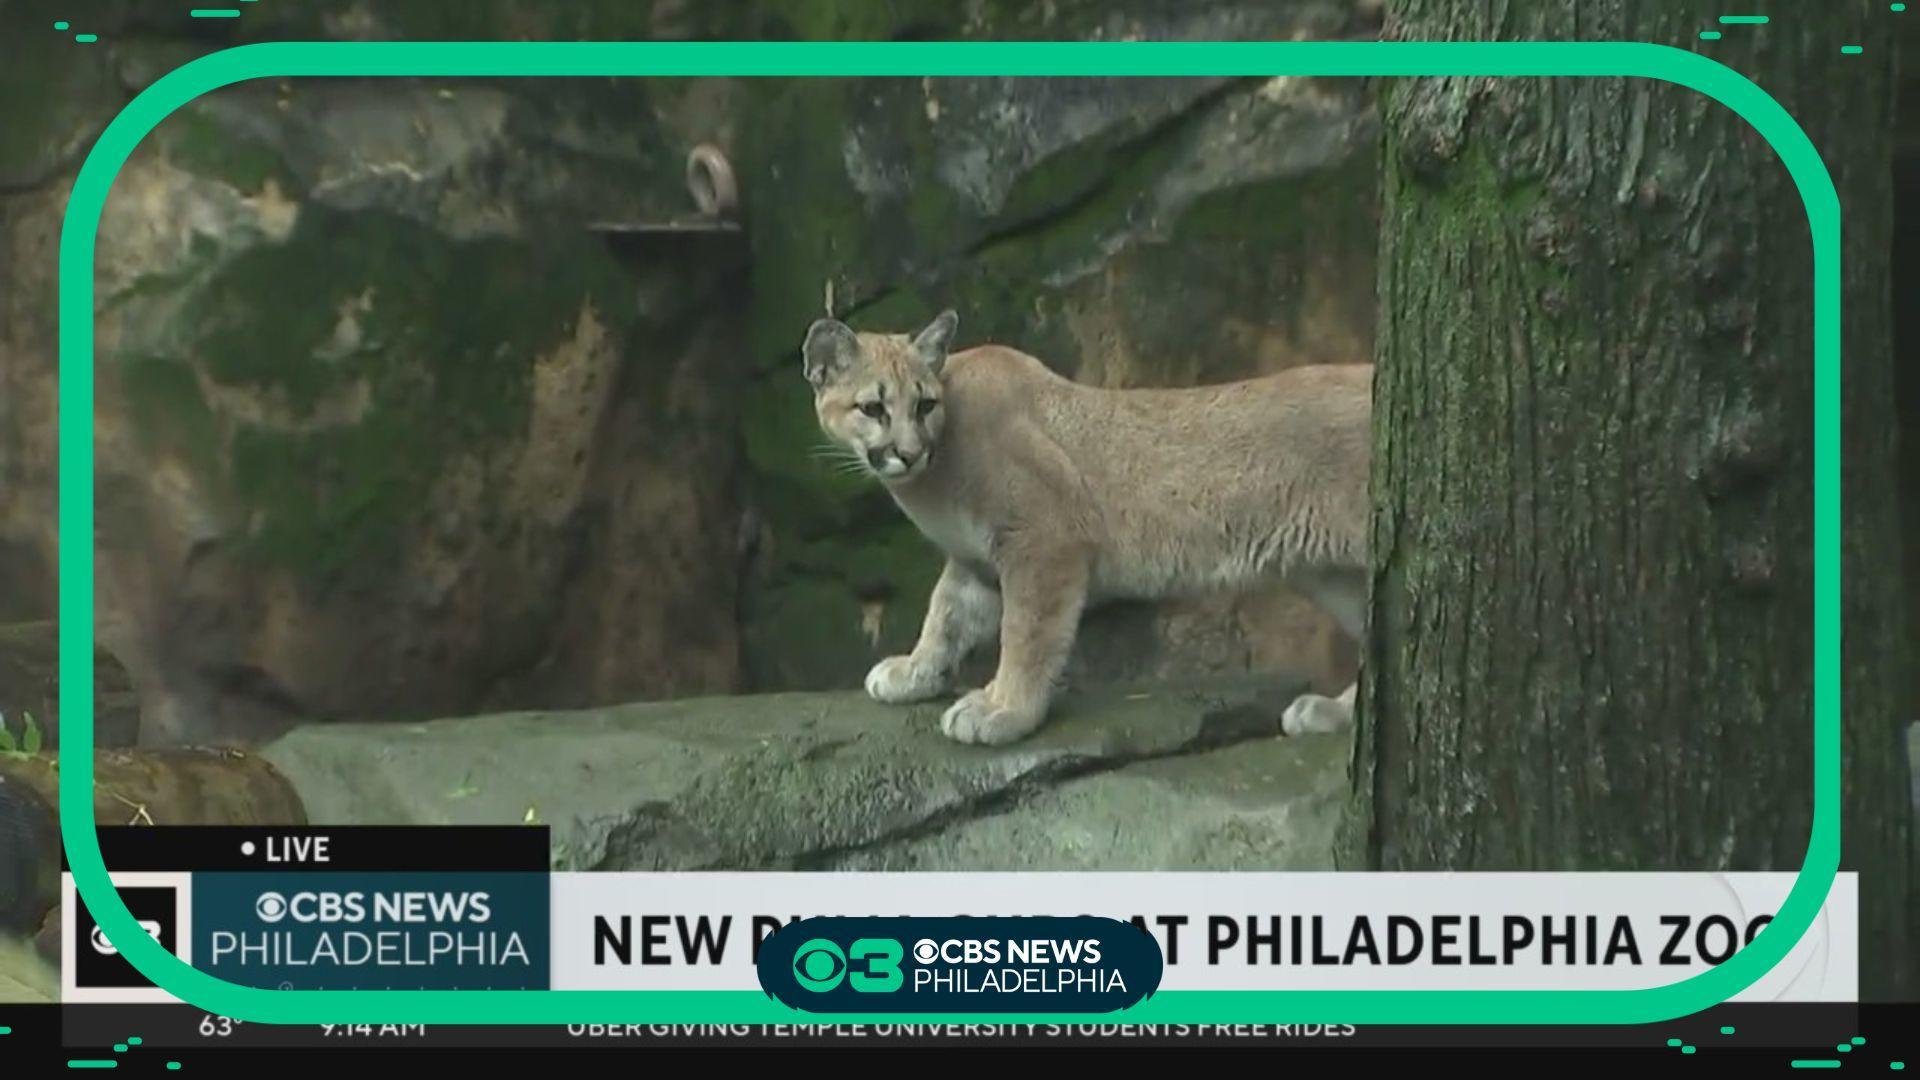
[(1591, 642)]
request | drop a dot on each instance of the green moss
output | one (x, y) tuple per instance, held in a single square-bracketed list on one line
[(320, 501), (864, 245), (168, 410), (867, 245), (890, 560), (901, 311), (195, 142), (60, 93), (25, 137), (937, 219), (1075, 233), (1111, 162), (470, 313), (810, 629), (797, 637), (777, 419), (800, 492), (448, 333), (798, 127), (1475, 200)]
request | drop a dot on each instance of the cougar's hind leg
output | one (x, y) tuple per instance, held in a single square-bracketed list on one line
[(1343, 595), (1312, 714)]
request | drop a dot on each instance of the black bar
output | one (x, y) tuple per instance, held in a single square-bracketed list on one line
[(1782, 1030), (347, 847)]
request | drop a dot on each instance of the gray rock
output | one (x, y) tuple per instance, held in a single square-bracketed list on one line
[(26, 977), (1181, 776), (1266, 804)]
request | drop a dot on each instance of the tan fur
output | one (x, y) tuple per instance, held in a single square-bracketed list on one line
[(1047, 496)]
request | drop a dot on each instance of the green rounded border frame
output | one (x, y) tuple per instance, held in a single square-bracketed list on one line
[(840, 59)]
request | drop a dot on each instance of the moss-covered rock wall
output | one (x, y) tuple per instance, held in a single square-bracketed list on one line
[(387, 430), (384, 428)]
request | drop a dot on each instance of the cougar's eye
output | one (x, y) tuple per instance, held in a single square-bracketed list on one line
[(875, 410), (925, 407)]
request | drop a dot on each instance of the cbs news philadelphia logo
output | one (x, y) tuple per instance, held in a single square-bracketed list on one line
[(960, 964)]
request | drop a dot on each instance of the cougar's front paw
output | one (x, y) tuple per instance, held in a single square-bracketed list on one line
[(1313, 714), (897, 680), (975, 718)]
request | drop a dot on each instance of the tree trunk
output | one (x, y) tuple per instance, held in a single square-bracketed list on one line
[(1591, 643)]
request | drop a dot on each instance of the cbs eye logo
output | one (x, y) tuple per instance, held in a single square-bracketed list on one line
[(869, 966), (271, 907), (819, 965)]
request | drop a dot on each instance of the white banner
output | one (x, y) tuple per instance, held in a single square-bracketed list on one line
[(1242, 931)]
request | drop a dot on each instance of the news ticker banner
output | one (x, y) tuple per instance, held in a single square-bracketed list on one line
[(1232, 931), (1786, 1031), (464, 908)]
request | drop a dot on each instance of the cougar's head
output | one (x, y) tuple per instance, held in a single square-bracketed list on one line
[(878, 396)]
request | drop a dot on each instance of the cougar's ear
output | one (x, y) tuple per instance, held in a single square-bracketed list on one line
[(829, 350), (933, 342)]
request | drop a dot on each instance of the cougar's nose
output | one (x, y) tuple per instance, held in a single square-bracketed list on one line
[(907, 459)]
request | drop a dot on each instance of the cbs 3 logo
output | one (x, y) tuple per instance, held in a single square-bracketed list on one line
[(869, 965)]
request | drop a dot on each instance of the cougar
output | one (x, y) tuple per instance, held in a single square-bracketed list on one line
[(1047, 496)]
